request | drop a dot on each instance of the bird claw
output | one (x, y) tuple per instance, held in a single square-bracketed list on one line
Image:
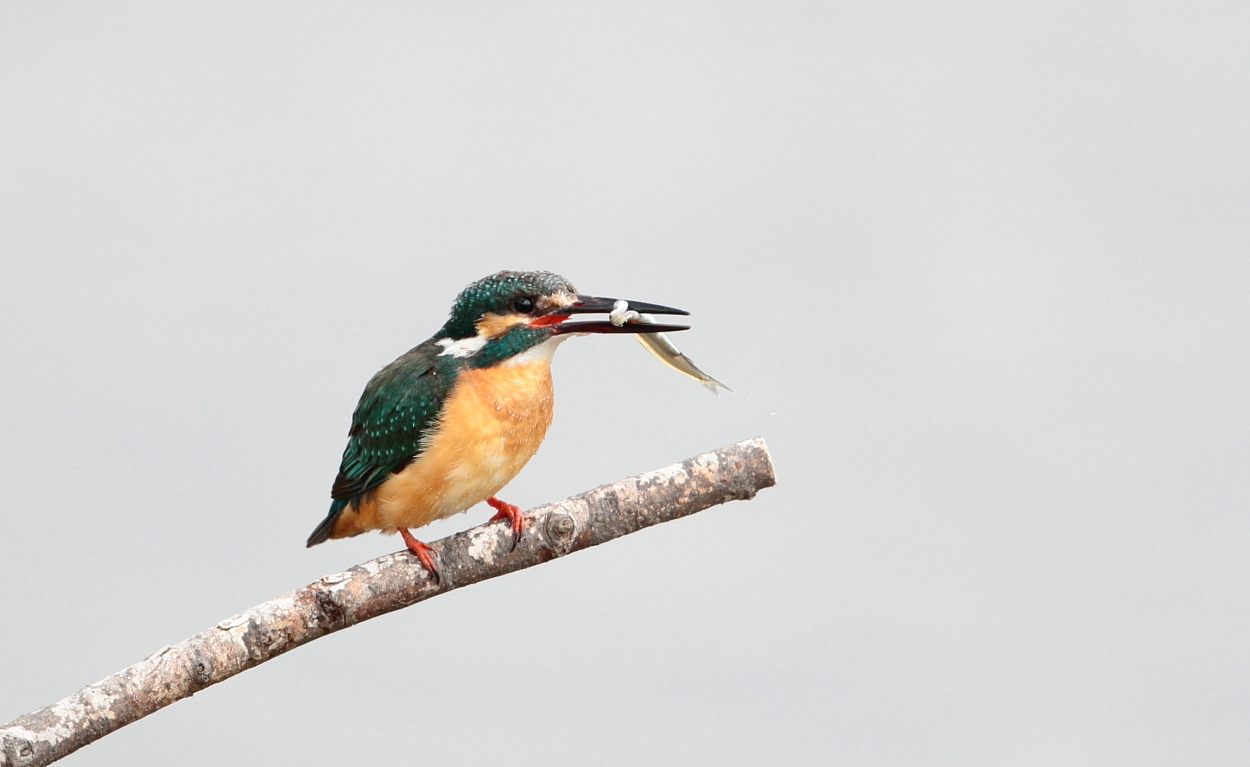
[(512, 513), (422, 553)]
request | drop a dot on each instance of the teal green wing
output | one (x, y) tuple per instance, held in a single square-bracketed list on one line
[(395, 412), (398, 408)]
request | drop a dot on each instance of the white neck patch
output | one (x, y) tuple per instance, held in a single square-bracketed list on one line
[(465, 347), (538, 353)]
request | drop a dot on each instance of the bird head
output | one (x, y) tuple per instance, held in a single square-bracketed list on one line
[(508, 313)]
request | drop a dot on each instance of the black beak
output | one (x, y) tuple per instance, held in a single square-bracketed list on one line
[(598, 305)]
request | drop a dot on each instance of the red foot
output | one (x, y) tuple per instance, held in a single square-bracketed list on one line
[(511, 513), (422, 551)]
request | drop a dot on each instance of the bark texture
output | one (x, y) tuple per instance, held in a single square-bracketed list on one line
[(379, 586)]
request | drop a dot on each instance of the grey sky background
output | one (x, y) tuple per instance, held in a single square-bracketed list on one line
[(978, 273)]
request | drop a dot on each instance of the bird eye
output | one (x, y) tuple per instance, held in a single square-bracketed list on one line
[(524, 304)]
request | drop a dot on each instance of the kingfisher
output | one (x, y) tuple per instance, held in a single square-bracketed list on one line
[(453, 420)]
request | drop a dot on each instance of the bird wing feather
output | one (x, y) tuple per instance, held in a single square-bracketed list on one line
[(396, 411)]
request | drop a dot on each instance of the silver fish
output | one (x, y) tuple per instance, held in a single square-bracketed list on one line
[(660, 345)]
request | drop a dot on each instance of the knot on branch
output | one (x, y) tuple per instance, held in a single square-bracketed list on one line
[(200, 671), (17, 752), (560, 530)]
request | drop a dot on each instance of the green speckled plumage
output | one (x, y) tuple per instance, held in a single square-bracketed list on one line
[(495, 294), (397, 409)]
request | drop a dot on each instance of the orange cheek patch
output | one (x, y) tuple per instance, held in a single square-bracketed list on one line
[(495, 325)]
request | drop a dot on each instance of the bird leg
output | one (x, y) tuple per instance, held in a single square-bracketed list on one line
[(421, 551), (510, 512)]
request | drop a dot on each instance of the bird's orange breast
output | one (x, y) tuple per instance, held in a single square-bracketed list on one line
[(492, 423)]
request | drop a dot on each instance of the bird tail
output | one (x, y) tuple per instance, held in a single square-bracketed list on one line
[(326, 528)]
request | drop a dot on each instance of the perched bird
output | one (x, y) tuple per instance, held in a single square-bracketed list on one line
[(451, 422)]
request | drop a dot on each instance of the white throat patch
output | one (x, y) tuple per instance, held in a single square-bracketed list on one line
[(538, 353), (465, 347)]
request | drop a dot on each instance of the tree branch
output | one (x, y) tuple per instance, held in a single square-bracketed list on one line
[(379, 586)]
